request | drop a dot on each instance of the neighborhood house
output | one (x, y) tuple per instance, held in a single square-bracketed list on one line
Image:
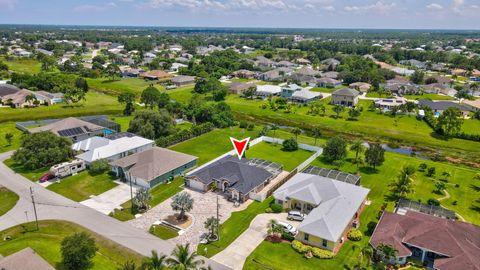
[(72, 128), (345, 97)]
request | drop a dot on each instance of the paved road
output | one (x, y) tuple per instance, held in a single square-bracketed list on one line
[(54, 206), (237, 252)]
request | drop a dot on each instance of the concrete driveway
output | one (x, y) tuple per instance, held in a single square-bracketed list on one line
[(107, 202), (236, 253)]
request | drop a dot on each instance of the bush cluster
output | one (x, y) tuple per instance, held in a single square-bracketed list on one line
[(355, 235), (300, 247), (98, 167), (276, 208), (317, 252)]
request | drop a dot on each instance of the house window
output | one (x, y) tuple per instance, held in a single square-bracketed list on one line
[(324, 243), (306, 237)]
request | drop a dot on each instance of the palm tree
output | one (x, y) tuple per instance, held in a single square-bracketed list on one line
[(211, 224), (404, 183), (296, 131), (30, 99), (386, 252), (367, 254), (182, 258), (272, 227), (129, 265), (274, 127), (154, 262), (358, 147), (316, 133)]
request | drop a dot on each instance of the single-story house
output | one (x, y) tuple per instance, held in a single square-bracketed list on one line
[(328, 83), (239, 87), (303, 79), (288, 90), (332, 208), (360, 86), (414, 63), (287, 64), (156, 75), (176, 66), (440, 243), (51, 98), (244, 74), (403, 71), (303, 61), (278, 74), (116, 149), (73, 128), (90, 144), (308, 71), (237, 179), (439, 106), (268, 90), (25, 259), (401, 87), (330, 74), (441, 79), (345, 97), (474, 105), (332, 63), (131, 72), (19, 99), (305, 96), (262, 61), (43, 51), (182, 80), (389, 103), (7, 89), (153, 166)]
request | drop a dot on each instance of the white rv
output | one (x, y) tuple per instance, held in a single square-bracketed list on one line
[(67, 168)]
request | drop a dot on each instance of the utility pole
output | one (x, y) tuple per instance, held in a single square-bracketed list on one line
[(34, 208)]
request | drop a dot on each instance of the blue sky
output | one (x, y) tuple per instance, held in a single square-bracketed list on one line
[(403, 14)]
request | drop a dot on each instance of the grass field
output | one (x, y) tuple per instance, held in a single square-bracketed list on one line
[(95, 103), (116, 87), (46, 242), (274, 152), (429, 96), (159, 194), (32, 175), (470, 126), (234, 227), (124, 121), (282, 256), (22, 65), (9, 127), (79, 187), (8, 199), (163, 232)]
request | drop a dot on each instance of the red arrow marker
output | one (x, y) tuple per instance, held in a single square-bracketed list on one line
[(240, 146)]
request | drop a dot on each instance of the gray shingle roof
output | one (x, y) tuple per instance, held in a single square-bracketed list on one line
[(336, 203), (441, 105), (346, 92)]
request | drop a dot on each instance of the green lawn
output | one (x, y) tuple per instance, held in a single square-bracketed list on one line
[(326, 90), (159, 194), (22, 65), (181, 94), (470, 126), (375, 94), (213, 144), (9, 127), (124, 121), (32, 175), (106, 85), (8, 199), (46, 242), (282, 256), (95, 103), (163, 232), (374, 125), (274, 152), (79, 187), (234, 227), (429, 96)]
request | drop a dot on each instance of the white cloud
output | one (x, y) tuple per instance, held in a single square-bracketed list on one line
[(7, 4), (379, 8), (434, 6)]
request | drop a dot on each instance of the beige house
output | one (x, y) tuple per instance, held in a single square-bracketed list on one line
[(345, 97), (360, 86)]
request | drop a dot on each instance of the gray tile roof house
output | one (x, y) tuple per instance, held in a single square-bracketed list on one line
[(8, 89), (345, 97), (153, 166), (73, 128), (332, 205), (183, 80), (237, 178), (25, 259), (305, 96), (440, 106), (239, 87)]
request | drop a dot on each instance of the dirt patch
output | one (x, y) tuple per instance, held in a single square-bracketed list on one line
[(184, 223)]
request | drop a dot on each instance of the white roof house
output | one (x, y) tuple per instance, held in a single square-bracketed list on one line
[(335, 203), (90, 144), (403, 71), (118, 148), (305, 95), (268, 90)]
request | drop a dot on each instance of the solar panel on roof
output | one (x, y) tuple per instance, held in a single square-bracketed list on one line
[(71, 132)]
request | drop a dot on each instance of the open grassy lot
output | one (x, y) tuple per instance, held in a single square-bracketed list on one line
[(22, 65), (8, 199), (159, 194), (79, 187), (429, 96), (47, 242), (234, 227), (274, 152), (95, 103), (123, 121), (282, 256), (117, 86), (181, 94), (374, 125), (32, 175), (163, 232), (9, 127)]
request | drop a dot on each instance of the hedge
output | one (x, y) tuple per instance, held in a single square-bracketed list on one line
[(185, 134), (317, 252), (354, 235), (300, 247)]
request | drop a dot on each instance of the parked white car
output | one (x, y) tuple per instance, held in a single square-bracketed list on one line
[(288, 227), (296, 215)]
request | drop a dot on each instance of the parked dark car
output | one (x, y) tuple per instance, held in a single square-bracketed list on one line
[(46, 177)]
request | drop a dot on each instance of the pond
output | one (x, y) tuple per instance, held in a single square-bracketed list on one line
[(405, 150)]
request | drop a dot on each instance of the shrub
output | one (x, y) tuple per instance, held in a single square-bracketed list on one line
[(290, 145), (243, 124), (422, 167), (322, 253), (300, 247), (433, 202), (288, 236), (250, 127), (99, 166), (276, 208), (355, 235), (371, 227), (454, 203), (268, 210)]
